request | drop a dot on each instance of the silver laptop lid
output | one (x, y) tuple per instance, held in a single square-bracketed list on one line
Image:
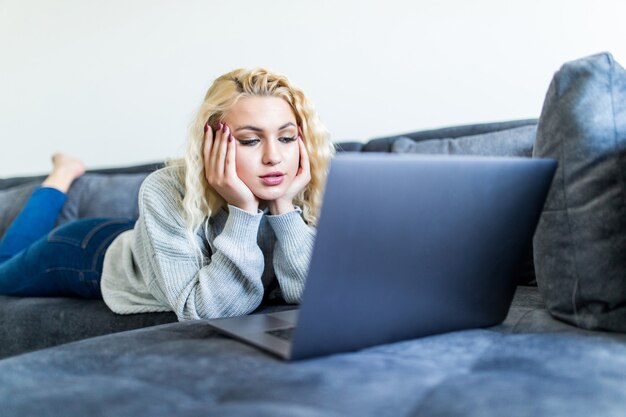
[(411, 245)]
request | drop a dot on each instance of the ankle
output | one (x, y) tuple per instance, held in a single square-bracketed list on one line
[(58, 180)]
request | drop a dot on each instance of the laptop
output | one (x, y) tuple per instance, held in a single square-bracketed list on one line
[(407, 246)]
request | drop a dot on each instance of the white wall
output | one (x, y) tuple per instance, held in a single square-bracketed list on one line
[(118, 81)]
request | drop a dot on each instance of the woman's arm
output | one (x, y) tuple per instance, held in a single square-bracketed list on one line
[(224, 283), (292, 253)]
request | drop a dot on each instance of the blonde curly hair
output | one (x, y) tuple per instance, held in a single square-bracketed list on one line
[(201, 200)]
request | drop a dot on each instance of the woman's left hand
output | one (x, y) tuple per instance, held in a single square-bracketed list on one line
[(284, 204)]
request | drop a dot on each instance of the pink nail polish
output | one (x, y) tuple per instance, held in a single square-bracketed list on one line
[(230, 138), (220, 126), (206, 127)]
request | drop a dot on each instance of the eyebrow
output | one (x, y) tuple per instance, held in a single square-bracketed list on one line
[(258, 129)]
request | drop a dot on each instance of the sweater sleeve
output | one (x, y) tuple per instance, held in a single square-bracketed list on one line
[(292, 254), (224, 283)]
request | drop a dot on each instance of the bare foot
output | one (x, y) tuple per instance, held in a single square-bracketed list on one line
[(65, 169)]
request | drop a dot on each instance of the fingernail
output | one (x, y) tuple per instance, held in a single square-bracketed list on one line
[(225, 127), (206, 127), (230, 138)]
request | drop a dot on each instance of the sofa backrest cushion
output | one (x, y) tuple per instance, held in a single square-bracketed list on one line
[(12, 200), (103, 195), (518, 141), (91, 195), (6, 183), (580, 243), (384, 144)]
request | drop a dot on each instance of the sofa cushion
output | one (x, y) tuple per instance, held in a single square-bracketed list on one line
[(11, 202), (91, 195), (32, 323), (351, 146), (518, 141), (101, 195), (187, 369), (383, 144), (132, 169), (580, 244), (108, 192)]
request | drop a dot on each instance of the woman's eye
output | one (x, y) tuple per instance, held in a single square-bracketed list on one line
[(252, 142), (248, 142)]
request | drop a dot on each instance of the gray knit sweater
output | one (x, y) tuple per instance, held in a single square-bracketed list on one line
[(155, 268)]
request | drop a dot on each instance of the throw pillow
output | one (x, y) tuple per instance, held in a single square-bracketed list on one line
[(580, 243)]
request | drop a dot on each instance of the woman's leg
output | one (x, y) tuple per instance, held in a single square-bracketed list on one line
[(66, 262), (41, 210)]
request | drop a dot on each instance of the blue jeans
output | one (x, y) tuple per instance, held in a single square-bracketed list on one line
[(37, 259)]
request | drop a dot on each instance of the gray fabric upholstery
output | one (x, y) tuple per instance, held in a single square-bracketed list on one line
[(92, 195), (518, 141), (580, 243), (384, 144), (11, 202), (134, 169), (100, 195), (31, 323), (186, 369), (349, 146)]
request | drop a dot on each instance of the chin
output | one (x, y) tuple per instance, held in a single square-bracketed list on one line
[(270, 195)]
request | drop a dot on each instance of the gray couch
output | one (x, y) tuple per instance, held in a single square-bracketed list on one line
[(530, 365)]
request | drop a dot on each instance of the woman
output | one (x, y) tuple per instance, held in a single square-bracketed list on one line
[(217, 231)]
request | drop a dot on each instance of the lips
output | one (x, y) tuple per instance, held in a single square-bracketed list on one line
[(273, 174), (273, 178)]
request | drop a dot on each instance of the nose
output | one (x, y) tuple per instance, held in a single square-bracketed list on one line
[(271, 154)]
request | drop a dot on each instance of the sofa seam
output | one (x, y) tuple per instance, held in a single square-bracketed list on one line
[(569, 221), (517, 322)]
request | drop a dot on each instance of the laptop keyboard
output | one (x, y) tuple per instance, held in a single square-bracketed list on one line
[(285, 333)]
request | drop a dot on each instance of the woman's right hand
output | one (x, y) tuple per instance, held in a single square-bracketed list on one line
[(220, 169)]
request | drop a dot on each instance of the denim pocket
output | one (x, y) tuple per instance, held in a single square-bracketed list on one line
[(80, 233), (73, 281)]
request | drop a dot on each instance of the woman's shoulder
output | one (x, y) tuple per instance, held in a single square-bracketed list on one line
[(165, 180), (163, 191)]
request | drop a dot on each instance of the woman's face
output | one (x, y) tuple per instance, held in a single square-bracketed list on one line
[(268, 155)]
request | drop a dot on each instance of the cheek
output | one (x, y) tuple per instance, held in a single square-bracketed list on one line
[(294, 156), (242, 161)]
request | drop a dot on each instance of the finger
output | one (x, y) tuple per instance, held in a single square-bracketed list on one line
[(231, 158), (215, 149), (208, 143), (305, 163), (222, 147)]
